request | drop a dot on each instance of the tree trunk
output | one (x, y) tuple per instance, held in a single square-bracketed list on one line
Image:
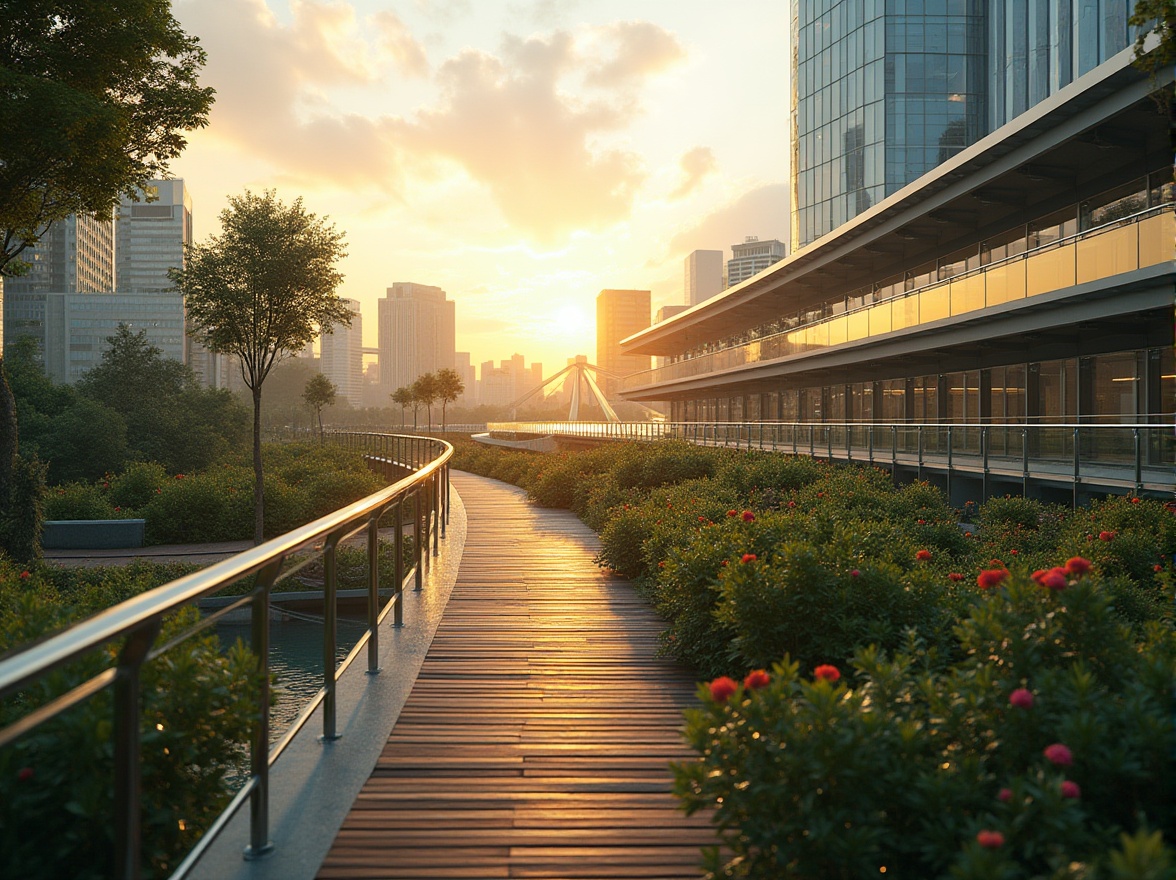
[(258, 476), (443, 416), (320, 421)]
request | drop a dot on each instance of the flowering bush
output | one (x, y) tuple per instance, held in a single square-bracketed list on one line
[(1035, 754)]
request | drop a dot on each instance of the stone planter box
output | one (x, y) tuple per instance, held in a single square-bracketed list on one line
[(92, 534)]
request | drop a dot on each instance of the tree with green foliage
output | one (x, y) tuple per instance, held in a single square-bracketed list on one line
[(97, 98), (424, 389), (170, 418), (449, 388), (319, 392), (263, 288), (402, 397)]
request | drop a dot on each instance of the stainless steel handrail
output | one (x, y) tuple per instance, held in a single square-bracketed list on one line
[(138, 621)]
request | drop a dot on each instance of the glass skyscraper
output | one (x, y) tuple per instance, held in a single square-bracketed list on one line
[(885, 90)]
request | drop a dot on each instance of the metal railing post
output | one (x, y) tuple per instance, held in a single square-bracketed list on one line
[(1137, 440), (1077, 470), (418, 538), (373, 551), (128, 843), (398, 536), (330, 635), (259, 842), (1025, 462), (983, 464), (949, 463), (436, 500), (919, 433)]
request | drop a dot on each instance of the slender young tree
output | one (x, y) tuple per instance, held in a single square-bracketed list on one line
[(449, 388), (402, 397), (260, 291), (319, 392), (425, 389)]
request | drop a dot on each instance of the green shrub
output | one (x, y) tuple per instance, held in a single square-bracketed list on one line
[(136, 487), (905, 767), (79, 501)]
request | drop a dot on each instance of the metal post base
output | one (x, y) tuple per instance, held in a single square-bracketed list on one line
[(251, 852)]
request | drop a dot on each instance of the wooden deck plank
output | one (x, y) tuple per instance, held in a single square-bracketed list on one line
[(537, 738)]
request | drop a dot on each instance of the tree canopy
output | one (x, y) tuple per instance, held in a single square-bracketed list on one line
[(97, 100), (260, 291), (449, 388), (319, 392)]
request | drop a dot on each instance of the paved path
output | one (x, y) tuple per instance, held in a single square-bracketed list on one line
[(536, 739)]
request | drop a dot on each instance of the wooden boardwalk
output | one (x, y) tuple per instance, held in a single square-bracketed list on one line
[(536, 740)]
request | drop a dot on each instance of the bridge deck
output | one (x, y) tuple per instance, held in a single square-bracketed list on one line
[(536, 739)]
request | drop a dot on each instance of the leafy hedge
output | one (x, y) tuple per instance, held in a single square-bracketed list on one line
[(914, 761)]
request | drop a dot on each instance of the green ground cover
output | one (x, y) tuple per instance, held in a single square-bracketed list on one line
[(889, 691)]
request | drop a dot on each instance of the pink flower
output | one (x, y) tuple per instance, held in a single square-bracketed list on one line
[(1077, 566), (748, 557), (1106, 536), (792, 504), (748, 516), (990, 839), (923, 555), (1021, 698), (756, 679), (1058, 754), (956, 576), (855, 573), (1004, 795), (990, 577), (826, 672), (1071, 789), (24, 774), (722, 688)]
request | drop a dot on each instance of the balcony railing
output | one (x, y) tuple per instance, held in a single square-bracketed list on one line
[(1136, 242), (421, 499), (1137, 456)]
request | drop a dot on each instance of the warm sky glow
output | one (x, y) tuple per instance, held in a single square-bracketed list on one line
[(521, 154)]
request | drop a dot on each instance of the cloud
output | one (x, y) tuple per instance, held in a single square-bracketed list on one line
[(696, 164), (639, 49), (762, 212), (508, 123), (406, 52)]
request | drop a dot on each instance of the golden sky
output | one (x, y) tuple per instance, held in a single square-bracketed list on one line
[(521, 154)]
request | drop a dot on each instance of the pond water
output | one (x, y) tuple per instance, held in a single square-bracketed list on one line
[(296, 658)]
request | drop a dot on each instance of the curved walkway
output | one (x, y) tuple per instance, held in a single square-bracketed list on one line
[(535, 741)]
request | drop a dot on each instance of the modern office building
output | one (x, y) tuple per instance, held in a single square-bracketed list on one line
[(1026, 280), (465, 369), (151, 233), (76, 255), (703, 276), (619, 313), (417, 327), (341, 356), (71, 329), (752, 257)]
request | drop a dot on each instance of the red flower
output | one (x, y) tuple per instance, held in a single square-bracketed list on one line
[(826, 672), (1071, 789), (923, 555), (967, 534), (1135, 500), (702, 519), (24, 774), (990, 839), (1054, 579), (661, 565), (996, 562), (820, 494), (722, 688), (855, 573), (724, 563), (756, 679), (748, 557), (1014, 552), (1021, 698), (179, 476), (956, 576), (1106, 536), (106, 485), (117, 509), (1004, 795), (1077, 566), (24, 575), (748, 516), (990, 577), (921, 522), (732, 513), (1058, 754), (791, 504), (1157, 567)]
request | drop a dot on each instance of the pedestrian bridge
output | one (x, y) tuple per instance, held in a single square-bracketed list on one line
[(511, 719)]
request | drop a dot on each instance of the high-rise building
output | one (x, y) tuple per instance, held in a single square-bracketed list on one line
[(341, 356), (76, 255), (151, 234), (752, 257), (465, 369), (1018, 292), (703, 277), (417, 327), (619, 314)]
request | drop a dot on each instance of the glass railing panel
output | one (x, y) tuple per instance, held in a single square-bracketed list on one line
[(965, 439), (935, 304), (838, 330), (881, 320), (858, 324), (1049, 270), (1004, 283), (1051, 443), (1156, 237), (1107, 445), (1006, 442), (967, 294), (904, 312), (1109, 253)]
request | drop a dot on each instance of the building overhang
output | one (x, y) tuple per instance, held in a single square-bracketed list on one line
[(1100, 130)]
